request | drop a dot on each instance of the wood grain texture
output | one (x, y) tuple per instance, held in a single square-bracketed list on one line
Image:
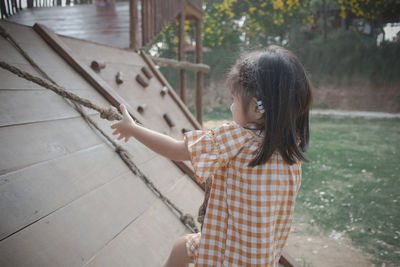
[(75, 233), (34, 192), (10, 81), (28, 144), (107, 25), (19, 107), (64, 51), (146, 242)]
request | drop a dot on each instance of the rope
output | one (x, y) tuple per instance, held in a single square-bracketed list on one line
[(110, 113)]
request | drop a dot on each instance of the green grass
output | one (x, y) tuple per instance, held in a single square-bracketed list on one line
[(351, 185), (215, 113)]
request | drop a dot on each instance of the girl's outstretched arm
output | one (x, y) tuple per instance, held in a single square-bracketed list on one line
[(159, 143)]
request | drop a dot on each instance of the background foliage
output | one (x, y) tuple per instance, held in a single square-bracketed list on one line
[(320, 32)]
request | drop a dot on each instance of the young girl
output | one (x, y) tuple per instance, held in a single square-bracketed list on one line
[(254, 163)]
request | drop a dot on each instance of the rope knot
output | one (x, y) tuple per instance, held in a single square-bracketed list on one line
[(111, 113), (188, 220)]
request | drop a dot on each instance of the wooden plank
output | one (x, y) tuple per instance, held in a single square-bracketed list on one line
[(18, 107), (162, 179), (51, 63), (108, 74), (187, 194), (34, 192), (108, 25), (139, 152), (9, 54), (199, 75), (56, 43), (27, 144), (73, 234), (181, 56), (87, 51), (146, 242), (167, 62), (287, 261), (11, 81)]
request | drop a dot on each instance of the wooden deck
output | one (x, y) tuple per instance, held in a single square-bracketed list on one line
[(107, 25)]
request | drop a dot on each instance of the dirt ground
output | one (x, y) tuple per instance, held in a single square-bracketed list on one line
[(313, 250), (363, 97)]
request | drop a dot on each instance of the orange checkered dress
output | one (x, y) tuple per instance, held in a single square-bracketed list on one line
[(250, 209)]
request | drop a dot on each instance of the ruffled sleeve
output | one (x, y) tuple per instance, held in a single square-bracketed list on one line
[(210, 150)]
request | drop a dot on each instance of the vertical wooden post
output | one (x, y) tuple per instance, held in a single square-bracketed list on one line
[(146, 21), (181, 55), (3, 8), (199, 74), (134, 25)]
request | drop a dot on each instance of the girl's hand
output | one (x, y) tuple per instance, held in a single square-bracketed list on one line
[(125, 126)]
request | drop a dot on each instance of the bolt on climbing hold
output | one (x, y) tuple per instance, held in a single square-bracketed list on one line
[(97, 65), (141, 80), (119, 78), (168, 120), (147, 72), (141, 108), (164, 91)]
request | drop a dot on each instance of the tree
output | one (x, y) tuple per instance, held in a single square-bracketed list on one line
[(272, 18), (371, 10)]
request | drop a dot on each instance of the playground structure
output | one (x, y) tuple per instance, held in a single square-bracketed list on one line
[(66, 197)]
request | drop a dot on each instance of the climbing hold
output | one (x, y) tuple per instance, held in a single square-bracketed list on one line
[(164, 91), (119, 78), (141, 80), (147, 72), (97, 65), (168, 120), (141, 108)]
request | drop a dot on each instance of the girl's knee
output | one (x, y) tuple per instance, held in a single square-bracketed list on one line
[(178, 256)]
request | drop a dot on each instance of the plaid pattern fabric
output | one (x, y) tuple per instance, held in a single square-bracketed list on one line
[(250, 209), (192, 245)]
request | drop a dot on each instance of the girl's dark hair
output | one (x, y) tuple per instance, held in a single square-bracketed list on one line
[(277, 78)]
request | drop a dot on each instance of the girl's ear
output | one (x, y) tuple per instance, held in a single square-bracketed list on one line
[(254, 109)]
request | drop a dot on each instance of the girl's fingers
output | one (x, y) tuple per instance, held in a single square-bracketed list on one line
[(123, 110), (115, 132), (120, 137), (114, 126)]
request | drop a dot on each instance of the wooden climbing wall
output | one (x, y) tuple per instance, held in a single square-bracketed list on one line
[(66, 198)]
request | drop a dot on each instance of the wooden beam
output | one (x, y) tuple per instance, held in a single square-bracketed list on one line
[(181, 55), (287, 261), (85, 71), (199, 74), (167, 62), (192, 11), (134, 25)]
